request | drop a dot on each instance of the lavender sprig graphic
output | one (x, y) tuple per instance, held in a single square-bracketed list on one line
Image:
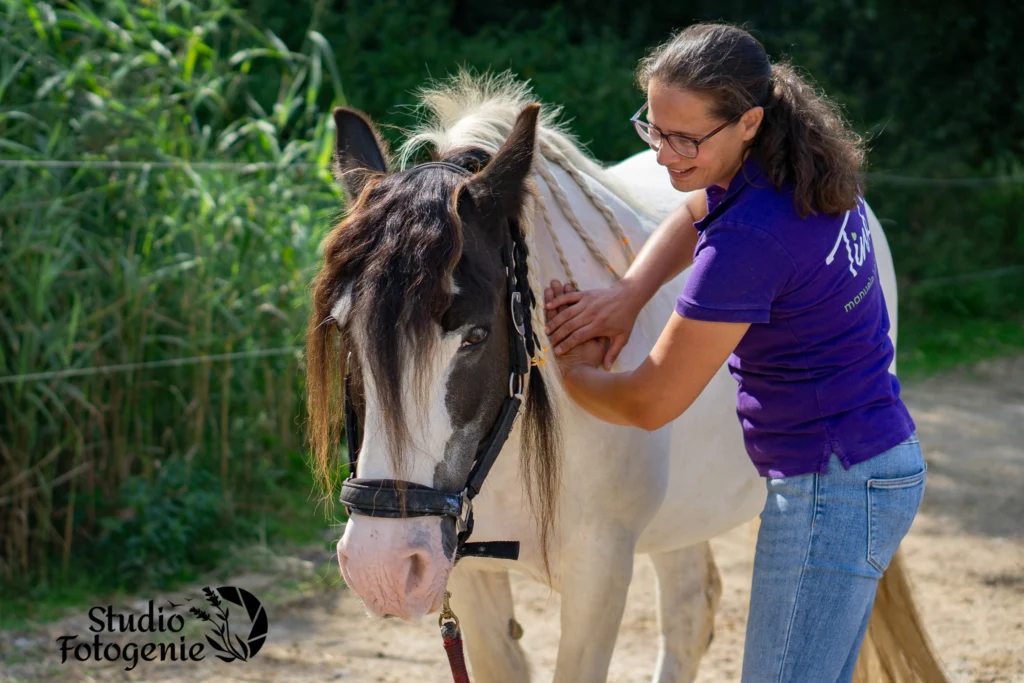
[(199, 614), (211, 597), (223, 630)]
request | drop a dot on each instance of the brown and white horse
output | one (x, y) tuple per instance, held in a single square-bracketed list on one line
[(413, 287)]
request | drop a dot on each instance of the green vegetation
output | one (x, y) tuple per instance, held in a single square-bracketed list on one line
[(936, 90), (144, 477)]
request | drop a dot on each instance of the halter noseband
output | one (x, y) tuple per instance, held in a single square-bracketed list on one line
[(380, 497)]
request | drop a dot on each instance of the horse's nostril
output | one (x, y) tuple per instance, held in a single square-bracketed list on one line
[(389, 616), (416, 569), (417, 576)]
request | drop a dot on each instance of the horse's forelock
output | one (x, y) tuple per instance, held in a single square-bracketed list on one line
[(395, 252)]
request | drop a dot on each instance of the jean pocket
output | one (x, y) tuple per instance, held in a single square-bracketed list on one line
[(892, 506)]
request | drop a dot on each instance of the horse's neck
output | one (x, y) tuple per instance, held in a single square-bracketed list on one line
[(584, 437), (585, 268)]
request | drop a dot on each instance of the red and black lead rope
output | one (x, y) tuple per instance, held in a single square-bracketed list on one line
[(452, 637)]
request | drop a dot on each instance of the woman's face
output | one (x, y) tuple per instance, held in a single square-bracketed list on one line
[(688, 113)]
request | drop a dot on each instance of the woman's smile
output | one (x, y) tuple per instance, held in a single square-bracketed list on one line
[(681, 174)]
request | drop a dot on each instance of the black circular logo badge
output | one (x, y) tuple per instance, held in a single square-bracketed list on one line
[(250, 632)]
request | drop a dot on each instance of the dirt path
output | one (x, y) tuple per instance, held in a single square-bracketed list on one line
[(965, 554)]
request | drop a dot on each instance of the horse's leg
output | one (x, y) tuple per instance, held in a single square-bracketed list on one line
[(596, 569), (483, 602), (689, 587)]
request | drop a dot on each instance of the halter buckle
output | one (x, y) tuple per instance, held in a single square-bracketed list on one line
[(466, 509)]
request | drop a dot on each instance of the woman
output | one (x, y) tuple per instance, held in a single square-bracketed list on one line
[(784, 287)]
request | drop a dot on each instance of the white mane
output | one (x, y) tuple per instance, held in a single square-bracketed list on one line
[(479, 111), (467, 110)]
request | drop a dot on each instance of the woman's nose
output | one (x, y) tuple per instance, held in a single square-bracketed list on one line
[(665, 155)]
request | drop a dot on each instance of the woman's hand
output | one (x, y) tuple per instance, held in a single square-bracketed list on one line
[(577, 317), (589, 352)]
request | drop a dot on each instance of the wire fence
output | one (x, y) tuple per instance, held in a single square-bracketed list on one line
[(114, 165), (243, 167), (263, 353), (166, 363)]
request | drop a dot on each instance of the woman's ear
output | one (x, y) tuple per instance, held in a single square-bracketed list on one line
[(750, 123)]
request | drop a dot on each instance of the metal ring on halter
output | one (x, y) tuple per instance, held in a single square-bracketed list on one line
[(516, 306), (512, 380)]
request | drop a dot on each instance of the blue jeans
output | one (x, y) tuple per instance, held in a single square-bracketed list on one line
[(824, 542)]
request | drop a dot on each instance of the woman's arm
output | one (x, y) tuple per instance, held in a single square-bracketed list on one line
[(685, 358), (668, 251)]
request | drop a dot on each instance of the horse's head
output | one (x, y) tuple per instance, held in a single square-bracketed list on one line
[(414, 285)]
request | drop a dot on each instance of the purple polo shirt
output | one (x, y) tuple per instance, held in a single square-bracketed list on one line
[(813, 368)]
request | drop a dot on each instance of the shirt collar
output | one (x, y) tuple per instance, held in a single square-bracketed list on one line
[(718, 196)]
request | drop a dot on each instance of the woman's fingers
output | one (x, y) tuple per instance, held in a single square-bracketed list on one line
[(556, 304), (573, 322), (618, 343), (556, 313), (581, 335), (548, 312), (562, 316), (567, 298)]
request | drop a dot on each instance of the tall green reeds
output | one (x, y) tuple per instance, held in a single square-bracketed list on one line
[(103, 266)]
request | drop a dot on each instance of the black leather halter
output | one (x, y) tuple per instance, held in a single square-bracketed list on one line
[(380, 497)]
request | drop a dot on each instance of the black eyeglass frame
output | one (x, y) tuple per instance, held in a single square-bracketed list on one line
[(643, 127)]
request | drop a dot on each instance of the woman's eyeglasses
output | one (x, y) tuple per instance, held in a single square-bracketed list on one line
[(682, 145)]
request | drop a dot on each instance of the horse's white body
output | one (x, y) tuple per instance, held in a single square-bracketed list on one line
[(624, 490), (664, 492)]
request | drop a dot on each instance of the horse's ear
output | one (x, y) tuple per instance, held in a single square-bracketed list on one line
[(357, 150), (498, 189)]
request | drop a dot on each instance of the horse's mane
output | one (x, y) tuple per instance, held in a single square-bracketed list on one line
[(469, 110)]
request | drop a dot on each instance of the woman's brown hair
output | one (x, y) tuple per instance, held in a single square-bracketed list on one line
[(803, 138)]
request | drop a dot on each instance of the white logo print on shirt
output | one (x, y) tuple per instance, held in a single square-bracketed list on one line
[(857, 245)]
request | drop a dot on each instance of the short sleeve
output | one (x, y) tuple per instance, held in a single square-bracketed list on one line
[(738, 271)]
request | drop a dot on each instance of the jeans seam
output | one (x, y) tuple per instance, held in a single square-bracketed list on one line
[(898, 483), (799, 583), (871, 528)]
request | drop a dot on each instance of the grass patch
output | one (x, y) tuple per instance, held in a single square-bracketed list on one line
[(41, 603), (931, 345), (288, 519)]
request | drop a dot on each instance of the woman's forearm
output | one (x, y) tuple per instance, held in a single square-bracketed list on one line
[(665, 254), (605, 395)]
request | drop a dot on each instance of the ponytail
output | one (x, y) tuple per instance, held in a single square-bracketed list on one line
[(803, 140)]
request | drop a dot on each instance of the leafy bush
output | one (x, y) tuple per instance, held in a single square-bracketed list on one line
[(150, 266), (165, 526)]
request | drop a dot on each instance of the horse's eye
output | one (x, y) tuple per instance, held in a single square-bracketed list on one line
[(475, 336)]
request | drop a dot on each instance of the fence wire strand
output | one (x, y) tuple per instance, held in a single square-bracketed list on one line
[(252, 167), (114, 165), (128, 367)]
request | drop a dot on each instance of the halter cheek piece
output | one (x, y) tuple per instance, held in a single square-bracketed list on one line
[(380, 497)]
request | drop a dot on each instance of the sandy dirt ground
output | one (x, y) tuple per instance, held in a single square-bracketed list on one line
[(965, 555)]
